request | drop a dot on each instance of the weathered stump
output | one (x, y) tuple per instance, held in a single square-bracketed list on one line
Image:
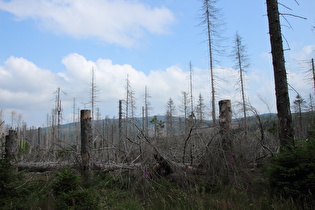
[(86, 140), (11, 144), (225, 122), (11, 148)]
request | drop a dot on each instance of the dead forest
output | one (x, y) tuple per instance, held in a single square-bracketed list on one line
[(192, 147), (270, 156)]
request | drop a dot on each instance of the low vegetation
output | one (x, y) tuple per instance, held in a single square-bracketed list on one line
[(286, 183)]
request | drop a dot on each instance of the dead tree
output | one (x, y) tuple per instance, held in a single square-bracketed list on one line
[(313, 72), (170, 111), (281, 85), (241, 59), (120, 127), (146, 111), (86, 140), (11, 144), (225, 121), (11, 148), (191, 89), (212, 23)]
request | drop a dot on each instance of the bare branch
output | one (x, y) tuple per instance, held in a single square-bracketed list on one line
[(297, 16)]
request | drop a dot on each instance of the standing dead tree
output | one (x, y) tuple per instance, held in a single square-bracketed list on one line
[(94, 92), (184, 108), (210, 19), (191, 89), (281, 85), (313, 71), (170, 111), (241, 64), (146, 111)]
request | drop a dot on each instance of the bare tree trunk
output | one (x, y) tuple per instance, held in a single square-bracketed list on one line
[(39, 137), (280, 75), (211, 65), (241, 58), (119, 129), (313, 71), (86, 140), (146, 111)]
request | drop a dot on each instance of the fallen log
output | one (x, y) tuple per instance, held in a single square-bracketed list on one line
[(54, 166)]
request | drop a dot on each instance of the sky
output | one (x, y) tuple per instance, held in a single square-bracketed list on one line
[(51, 44)]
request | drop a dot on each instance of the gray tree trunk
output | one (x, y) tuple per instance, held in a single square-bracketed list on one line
[(282, 96)]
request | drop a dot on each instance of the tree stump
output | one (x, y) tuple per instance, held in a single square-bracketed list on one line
[(11, 144), (11, 148), (86, 140), (225, 122)]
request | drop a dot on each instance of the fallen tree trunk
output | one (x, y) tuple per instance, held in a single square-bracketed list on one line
[(162, 167), (54, 166)]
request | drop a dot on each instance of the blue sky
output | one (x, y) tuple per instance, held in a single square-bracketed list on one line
[(55, 43)]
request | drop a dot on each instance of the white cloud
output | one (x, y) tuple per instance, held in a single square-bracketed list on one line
[(30, 89), (23, 84), (305, 52), (114, 21)]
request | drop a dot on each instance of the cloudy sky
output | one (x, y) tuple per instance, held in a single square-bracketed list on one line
[(46, 44)]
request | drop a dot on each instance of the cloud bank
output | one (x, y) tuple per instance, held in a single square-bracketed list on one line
[(30, 90), (113, 21)]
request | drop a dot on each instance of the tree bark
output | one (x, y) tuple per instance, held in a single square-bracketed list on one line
[(282, 96)]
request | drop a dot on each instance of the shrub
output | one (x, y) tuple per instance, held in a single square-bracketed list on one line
[(292, 172), (15, 191), (83, 199), (69, 194)]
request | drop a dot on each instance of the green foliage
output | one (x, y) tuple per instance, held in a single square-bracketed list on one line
[(15, 191), (69, 194), (83, 199), (109, 181), (9, 181), (292, 172), (65, 182)]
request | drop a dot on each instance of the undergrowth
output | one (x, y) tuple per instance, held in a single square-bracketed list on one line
[(289, 184), (110, 191)]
